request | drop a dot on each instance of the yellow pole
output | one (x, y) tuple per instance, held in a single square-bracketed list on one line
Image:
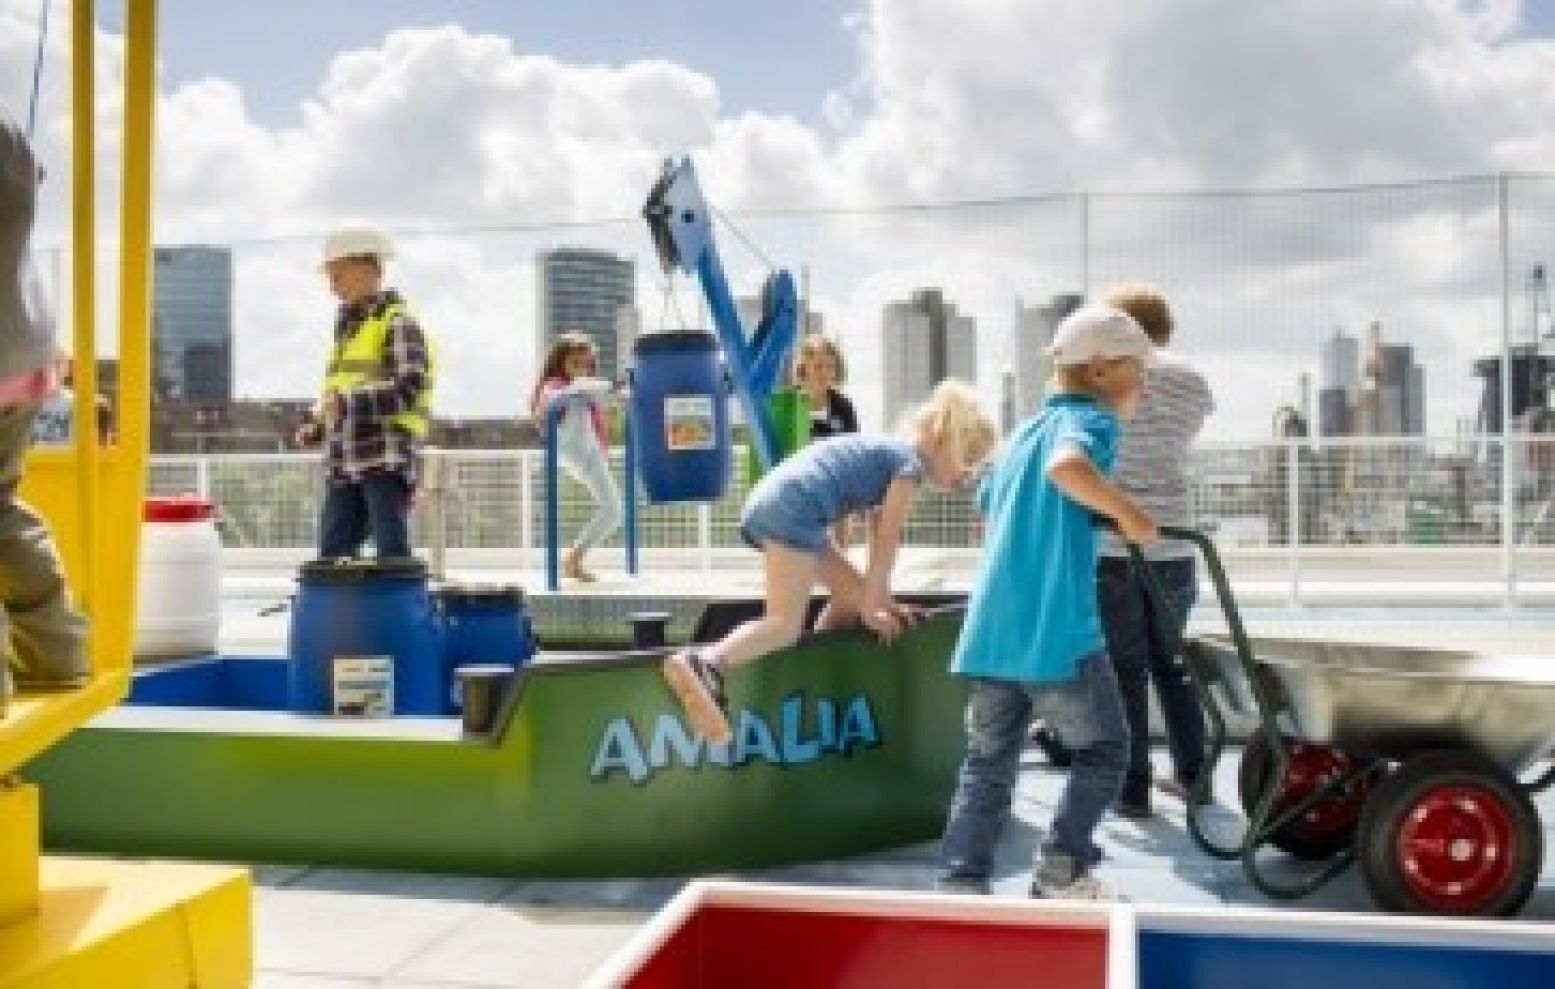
[(123, 511), (83, 230)]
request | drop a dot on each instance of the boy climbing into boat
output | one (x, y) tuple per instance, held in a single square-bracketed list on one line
[(1032, 641), (790, 517)]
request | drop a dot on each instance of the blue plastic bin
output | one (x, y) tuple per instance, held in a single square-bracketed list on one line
[(680, 417), (483, 625), (365, 640)]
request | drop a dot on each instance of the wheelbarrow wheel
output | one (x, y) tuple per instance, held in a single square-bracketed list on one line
[(1451, 833), (1329, 827)]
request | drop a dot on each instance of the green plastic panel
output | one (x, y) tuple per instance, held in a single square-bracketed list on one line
[(842, 747)]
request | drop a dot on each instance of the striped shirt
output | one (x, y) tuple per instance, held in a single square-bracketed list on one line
[(1153, 457)]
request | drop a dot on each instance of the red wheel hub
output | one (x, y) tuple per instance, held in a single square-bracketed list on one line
[(1456, 847), (1310, 768)]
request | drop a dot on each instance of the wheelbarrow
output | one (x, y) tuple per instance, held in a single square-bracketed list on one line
[(1408, 760)]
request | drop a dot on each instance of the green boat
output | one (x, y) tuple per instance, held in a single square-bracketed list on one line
[(841, 747)]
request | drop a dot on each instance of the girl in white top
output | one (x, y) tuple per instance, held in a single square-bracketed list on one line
[(582, 440)]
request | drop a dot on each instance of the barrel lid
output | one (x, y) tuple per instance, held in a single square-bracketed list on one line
[(351, 570), (178, 508), (674, 341), (484, 593)]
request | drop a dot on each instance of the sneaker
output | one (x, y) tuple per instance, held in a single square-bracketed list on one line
[(1174, 787), (699, 687), (955, 882), (1083, 887), (1059, 877)]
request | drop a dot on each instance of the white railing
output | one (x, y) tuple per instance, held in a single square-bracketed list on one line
[(1406, 509)]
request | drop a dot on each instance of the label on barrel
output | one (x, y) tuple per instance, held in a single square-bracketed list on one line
[(688, 422), (364, 686)]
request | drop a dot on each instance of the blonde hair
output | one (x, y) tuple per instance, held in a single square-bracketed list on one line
[(953, 416), (1147, 305), (815, 345)]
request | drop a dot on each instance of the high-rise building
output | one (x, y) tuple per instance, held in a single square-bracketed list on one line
[(926, 341), (750, 310), (1034, 327), (583, 290), (1339, 388), (192, 324), (1385, 397)]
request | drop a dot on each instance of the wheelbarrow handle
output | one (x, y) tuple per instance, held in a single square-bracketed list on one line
[(1268, 704)]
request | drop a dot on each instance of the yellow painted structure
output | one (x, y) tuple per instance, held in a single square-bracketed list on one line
[(80, 923)]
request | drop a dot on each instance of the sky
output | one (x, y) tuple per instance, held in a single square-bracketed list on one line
[(468, 126)]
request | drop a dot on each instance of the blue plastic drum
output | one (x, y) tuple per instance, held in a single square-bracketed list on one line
[(483, 625), (365, 641), (680, 416)]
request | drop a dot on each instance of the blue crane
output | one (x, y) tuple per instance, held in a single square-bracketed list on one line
[(681, 224)]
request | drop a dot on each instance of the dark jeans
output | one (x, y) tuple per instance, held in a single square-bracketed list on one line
[(1086, 712), (379, 505), (1130, 623)]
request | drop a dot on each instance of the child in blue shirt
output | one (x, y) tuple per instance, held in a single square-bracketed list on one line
[(790, 516), (1032, 640)]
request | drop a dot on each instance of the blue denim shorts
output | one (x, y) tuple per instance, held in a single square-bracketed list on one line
[(770, 519)]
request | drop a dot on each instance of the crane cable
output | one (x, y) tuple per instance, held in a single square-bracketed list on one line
[(37, 67)]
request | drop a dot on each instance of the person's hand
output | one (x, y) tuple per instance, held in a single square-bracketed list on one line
[(309, 433), (1137, 527), (885, 617)]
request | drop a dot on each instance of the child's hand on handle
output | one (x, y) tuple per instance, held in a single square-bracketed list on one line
[(1137, 527)]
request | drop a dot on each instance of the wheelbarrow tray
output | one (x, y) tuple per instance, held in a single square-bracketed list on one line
[(1397, 701)]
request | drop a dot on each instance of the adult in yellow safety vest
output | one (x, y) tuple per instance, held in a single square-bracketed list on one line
[(376, 405)]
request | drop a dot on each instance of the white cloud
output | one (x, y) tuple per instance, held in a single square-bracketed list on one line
[(443, 130)]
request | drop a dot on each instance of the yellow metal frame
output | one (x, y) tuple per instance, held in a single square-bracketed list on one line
[(93, 497), (71, 923)]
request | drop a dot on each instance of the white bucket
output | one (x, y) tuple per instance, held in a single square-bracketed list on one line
[(179, 608)]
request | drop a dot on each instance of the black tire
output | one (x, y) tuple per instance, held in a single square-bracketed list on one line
[(1451, 834), (1333, 821)]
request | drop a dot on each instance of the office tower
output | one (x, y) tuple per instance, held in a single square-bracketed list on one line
[(583, 290), (925, 342), (192, 324), (1339, 390), (1034, 326)]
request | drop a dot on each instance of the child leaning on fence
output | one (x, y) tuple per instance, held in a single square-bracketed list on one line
[(582, 442), (44, 635), (789, 517), (1032, 640)]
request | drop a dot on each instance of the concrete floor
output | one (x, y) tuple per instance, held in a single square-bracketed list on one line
[(323, 928), (337, 929)]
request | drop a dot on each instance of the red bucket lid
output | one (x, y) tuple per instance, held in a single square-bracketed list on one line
[(179, 508)]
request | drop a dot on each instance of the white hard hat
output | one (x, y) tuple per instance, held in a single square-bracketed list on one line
[(356, 242)]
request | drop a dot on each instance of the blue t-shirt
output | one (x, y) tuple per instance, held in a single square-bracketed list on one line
[(1032, 615), (837, 476)]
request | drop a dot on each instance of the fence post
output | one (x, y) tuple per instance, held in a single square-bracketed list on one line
[(1293, 519), (705, 533), (526, 504), (202, 476), (1508, 456)]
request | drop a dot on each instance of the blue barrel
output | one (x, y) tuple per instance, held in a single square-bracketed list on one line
[(680, 417), (365, 640), (483, 625)]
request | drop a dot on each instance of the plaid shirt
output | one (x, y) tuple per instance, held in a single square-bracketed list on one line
[(362, 441)]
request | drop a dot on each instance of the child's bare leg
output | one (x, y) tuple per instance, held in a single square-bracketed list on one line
[(696, 675), (790, 574), (846, 587)]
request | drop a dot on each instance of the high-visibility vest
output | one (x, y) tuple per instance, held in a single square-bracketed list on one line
[(359, 360)]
